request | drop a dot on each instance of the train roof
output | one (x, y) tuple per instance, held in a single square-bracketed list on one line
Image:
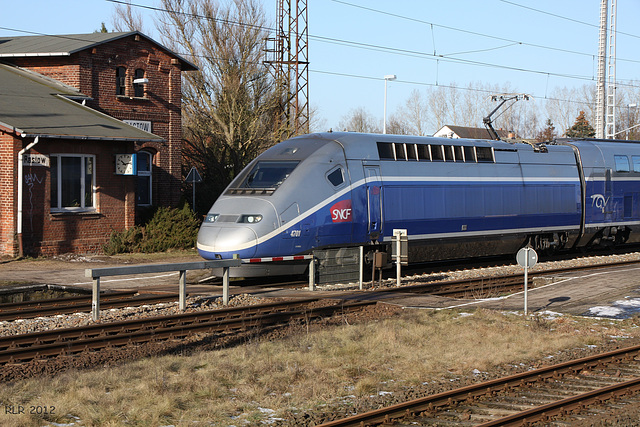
[(363, 145), (605, 143)]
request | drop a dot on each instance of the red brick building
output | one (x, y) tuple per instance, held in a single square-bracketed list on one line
[(96, 120)]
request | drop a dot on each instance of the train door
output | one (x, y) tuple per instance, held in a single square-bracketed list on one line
[(374, 201), (608, 197)]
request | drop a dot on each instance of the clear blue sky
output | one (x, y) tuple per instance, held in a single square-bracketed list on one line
[(533, 45)]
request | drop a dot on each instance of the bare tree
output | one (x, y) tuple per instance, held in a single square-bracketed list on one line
[(474, 105), (125, 19), (316, 122), (397, 125), (359, 120), (438, 107), (414, 114), (229, 104), (563, 105)]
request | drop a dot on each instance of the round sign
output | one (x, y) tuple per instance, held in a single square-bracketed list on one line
[(527, 257)]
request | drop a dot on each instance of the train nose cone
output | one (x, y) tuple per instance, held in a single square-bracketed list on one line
[(227, 241)]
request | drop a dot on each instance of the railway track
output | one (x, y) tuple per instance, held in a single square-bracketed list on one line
[(465, 287), (52, 307), (69, 341), (481, 287), (521, 399)]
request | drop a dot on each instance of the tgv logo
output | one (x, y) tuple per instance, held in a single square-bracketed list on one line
[(599, 201), (341, 211)]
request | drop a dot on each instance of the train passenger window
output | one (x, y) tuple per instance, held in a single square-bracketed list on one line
[(448, 153), (336, 177), (636, 163), (458, 153), (423, 152), (412, 153), (484, 154), (437, 155), (385, 151), (622, 163), (268, 174), (469, 154), (401, 153)]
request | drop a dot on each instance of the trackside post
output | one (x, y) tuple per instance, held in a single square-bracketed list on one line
[(95, 299), (400, 251), (361, 272), (312, 274), (527, 258)]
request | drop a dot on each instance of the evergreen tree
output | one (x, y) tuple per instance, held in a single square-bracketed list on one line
[(581, 128), (547, 134)]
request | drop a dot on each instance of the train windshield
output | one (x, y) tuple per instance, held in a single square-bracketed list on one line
[(268, 174)]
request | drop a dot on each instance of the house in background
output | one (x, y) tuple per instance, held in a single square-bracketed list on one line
[(455, 132), (96, 120)]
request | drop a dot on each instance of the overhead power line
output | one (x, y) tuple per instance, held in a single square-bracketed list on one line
[(566, 18), (446, 86), (366, 46), (392, 50), (489, 36)]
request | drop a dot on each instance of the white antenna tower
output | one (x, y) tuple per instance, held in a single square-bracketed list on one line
[(611, 77), (602, 55)]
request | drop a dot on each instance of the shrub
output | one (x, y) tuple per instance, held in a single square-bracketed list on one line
[(168, 229), (123, 241)]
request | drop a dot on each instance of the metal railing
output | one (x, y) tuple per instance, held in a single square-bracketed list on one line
[(96, 273)]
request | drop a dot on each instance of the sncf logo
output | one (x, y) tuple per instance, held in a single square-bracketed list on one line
[(341, 211)]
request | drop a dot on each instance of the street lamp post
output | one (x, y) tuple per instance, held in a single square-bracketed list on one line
[(387, 78)]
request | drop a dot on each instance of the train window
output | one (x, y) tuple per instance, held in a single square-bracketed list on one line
[(423, 152), (458, 153), (484, 154), (412, 153), (401, 153), (437, 155), (469, 154), (385, 151), (622, 163), (448, 153), (268, 174), (636, 163), (336, 177)]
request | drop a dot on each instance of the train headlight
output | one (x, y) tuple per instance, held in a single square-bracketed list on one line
[(211, 218), (250, 219)]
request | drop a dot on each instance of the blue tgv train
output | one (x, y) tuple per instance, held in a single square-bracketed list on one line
[(455, 197)]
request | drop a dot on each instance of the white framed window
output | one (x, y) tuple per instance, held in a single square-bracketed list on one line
[(72, 182), (144, 195)]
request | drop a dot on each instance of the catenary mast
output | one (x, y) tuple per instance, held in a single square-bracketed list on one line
[(288, 55), (606, 84)]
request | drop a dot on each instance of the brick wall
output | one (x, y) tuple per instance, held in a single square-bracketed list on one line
[(8, 191), (49, 233), (93, 72)]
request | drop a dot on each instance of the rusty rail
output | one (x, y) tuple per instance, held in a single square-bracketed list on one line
[(56, 306), (22, 348), (452, 397)]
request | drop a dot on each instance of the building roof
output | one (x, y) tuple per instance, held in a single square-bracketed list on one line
[(33, 105), (471, 133), (66, 45)]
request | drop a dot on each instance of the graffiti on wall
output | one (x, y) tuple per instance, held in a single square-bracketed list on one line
[(31, 179)]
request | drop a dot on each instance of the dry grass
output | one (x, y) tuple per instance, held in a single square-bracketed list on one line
[(241, 385)]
